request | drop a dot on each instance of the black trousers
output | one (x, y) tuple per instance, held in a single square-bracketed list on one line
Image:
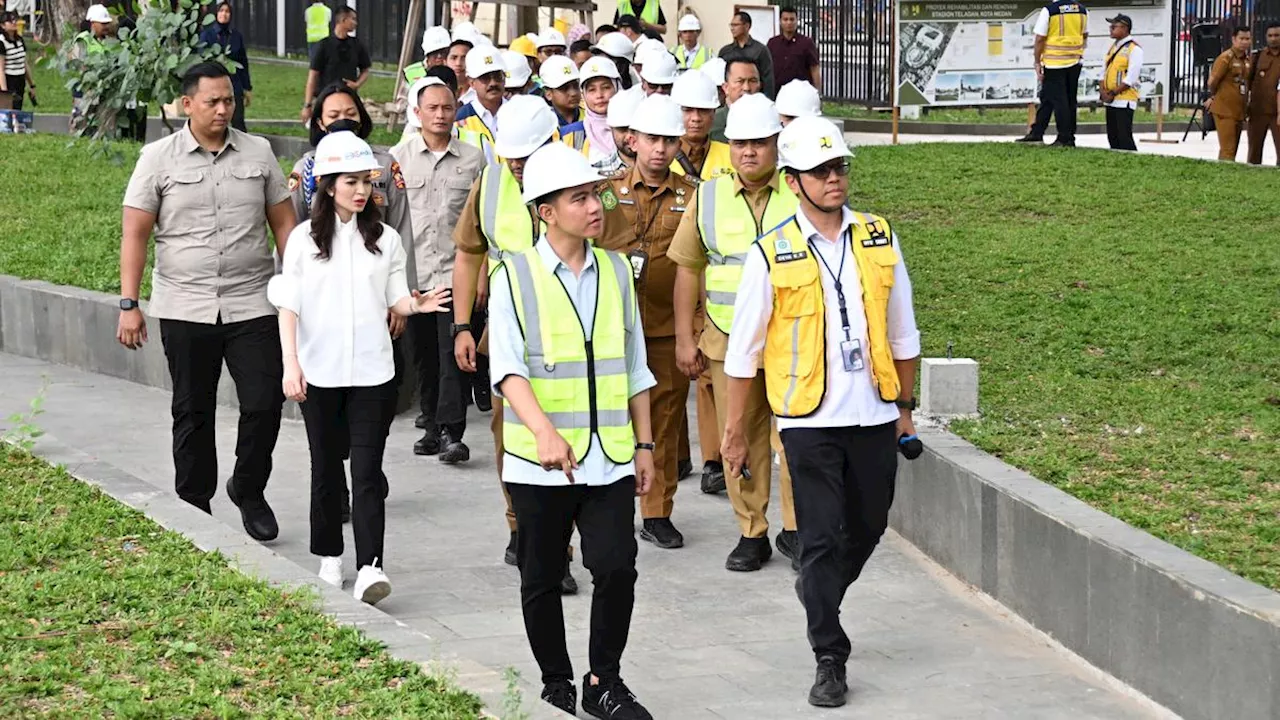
[(195, 352), (843, 480), (605, 517), (1120, 129), (332, 415), (237, 116), (18, 87), (441, 385), (1058, 98)]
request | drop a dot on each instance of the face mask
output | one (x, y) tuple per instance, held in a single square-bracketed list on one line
[(343, 125)]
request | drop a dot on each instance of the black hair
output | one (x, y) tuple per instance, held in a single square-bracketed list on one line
[(738, 59), (624, 71), (787, 9), (218, 7), (1242, 29), (191, 78), (606, 28), (1272, 24), (630, 22), (342, 12), (548, 199), (317, 112), (324, 224), (580, 45), (744, 17), (446, 75)]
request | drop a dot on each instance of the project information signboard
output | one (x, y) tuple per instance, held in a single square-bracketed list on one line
[(959, 52)]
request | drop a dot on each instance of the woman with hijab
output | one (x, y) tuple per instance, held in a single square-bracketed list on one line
[(599, 78), (221, 33)]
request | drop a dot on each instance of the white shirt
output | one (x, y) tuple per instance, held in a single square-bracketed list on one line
[(490, 119), (341, 304), (506, 358), (1132, 75), (851, 398), (467, 96)]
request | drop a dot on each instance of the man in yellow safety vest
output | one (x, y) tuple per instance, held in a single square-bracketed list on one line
[(318, 15), (1119, 87), (690, 54), (1062, 30)]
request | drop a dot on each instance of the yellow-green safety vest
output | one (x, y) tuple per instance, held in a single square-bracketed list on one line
[(91, 43), (581, 384), (795, 346), (505, 221), (699, 58), (413, 72), (728, 229), (1064, 45), (649, 14), (1117, 67), (318, 16), (718, 162)]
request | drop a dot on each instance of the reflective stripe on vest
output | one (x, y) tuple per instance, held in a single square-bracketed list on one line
[(728, 228), (795, 348), (317, 16), (474, 124), (477, 140), (702, 55), (504, 218), (1064, 46), (582, 386), (1117, 67), (718, 162), (577, 140), (649, 14)]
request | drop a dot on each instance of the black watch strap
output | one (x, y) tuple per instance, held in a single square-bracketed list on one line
[(455, 328), (128, 304), (907, 404), (645, 446)]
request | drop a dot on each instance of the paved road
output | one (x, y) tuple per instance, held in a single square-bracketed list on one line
[(706, 643)]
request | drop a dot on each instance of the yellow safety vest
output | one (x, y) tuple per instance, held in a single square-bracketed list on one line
[(649, 14), (318, 16), (1064, 45), (718, 162), (581, 385), (414, 71), (1117, 67), (795, 347), (91, 43), (728, 229), (577, 140), (504, 218), (699, 58), (476, 127)]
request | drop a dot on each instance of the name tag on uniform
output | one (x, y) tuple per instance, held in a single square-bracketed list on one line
[(623, 201), (876, 241), (783, 252), (851, 355), (674, 208)]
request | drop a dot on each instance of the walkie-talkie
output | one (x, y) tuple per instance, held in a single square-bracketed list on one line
[(910, 446)]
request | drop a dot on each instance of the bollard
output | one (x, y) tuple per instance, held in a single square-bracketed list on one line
[(949, 386)]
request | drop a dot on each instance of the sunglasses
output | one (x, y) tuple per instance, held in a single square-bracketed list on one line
[(822, 172)]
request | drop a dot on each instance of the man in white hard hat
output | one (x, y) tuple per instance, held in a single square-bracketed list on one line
[(824, 307), (690, 54), (438, 169), (461, 42), (643, 206), (616, 45), (519, 74), (488, 81), (560, 79), (726, 216), (87, 43), (796, 99), (700, 157), (658, 73), (622, 109), (550, 43), (435, 52), (570, 362), (741, 77), (714, 69)]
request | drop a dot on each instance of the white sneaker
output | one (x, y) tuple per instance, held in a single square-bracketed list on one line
[(331, 570), (372, 584)]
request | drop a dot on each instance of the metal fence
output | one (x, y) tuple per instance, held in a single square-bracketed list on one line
[(1187, 72), (854, 47), (381, 25)]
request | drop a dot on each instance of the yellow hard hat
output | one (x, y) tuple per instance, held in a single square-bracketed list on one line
[(524, 46)]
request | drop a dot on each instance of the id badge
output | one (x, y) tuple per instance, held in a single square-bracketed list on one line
[(851, 355), (638, 260)]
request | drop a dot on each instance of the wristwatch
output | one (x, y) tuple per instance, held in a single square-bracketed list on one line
[(128, 304), (455, 328), (907, 404), (644, 446)]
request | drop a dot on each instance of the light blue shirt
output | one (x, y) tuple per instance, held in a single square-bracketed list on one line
[(506, 358)]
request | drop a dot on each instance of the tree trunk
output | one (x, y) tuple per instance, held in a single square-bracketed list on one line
[(65, 16)]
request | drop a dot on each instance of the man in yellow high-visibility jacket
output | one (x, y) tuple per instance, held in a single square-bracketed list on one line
[(1062, 31), (690, 54), (318, 17), (825, 308)]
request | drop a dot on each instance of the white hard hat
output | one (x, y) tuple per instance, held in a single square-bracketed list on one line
[(466, 32), (598, 67), (483, 60), (622, 107), (553, 167), (550, 37), (694, 89), (689, 22), (415, 90), (799, 99), (753, 117), (616, 45), (809, 142), (343, 152), (557, 71), (714, 69), (518, 70), (646, 47), (435, 39), (98, 14), (659, 68), (525, 123), (659, 115)]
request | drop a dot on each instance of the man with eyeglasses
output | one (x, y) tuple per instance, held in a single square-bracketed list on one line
[(741, 77), (824, 307)]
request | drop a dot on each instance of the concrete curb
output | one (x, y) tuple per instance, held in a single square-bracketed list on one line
[(247, 556), (918, 127)]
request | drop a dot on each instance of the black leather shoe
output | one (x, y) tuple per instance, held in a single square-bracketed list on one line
[(684, 469), (662, 533), (259, 521), (346, 506), (509, 556), (1063, 143), (829, 686), (1029, 138), (561, 695), (750, 555), (429, 444), (788, 542), (484, 401), (795, 563), (454, 452), (422, 422), (611, 700), (713, 478), (568, 586)]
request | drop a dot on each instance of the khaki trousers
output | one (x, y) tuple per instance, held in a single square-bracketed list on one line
[(1228, 136), (708, 421), (1259, 125), (750, 498), (667, 403)]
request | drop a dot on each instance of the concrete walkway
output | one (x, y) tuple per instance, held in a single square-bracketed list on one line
[(706, 643)]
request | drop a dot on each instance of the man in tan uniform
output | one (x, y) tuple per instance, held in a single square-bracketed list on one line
[(1229, 83), (717, 235), (643, 207), (1262, 96)]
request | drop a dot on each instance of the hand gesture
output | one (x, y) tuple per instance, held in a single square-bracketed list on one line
[(733, 451), (131, 329), (295, 386), (690, 359), (905, 424), (396, 324), (305, 115), (435, 300), (645, 471), (464, 351), (554, 453)]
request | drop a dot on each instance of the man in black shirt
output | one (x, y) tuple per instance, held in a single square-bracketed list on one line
[(340, 58)]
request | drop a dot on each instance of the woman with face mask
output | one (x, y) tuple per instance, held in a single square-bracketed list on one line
[(221, 33), (343, 272)]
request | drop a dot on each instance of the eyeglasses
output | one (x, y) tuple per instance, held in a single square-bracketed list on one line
[(822, 172)]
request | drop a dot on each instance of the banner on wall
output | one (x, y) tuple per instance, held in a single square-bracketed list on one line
[(959, 52)]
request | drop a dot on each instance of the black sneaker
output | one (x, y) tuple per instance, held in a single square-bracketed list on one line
[(422, 422), (346, 506), (611, 700), (568, 586), (750, 555), (662, 533), (712, 478), (788, 542), (429, 444), (829, 685), (1030, 138), (484, 401), (561, 695), (509, 556), (454, 452), (684, 469), (256, 515)]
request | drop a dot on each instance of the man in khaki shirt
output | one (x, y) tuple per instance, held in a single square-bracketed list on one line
[(208, 192), (1229, 83), (438, 172), (1263, 96)]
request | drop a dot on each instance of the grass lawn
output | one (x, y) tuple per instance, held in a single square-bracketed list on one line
[(108, 615)]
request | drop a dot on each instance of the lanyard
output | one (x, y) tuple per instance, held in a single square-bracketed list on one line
[(846, 239)]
